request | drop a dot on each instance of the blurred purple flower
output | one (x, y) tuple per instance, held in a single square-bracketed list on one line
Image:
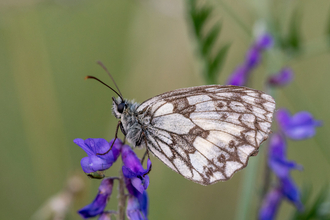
[(93, 146), (298, 127), (277, 160), (265, 41), (137, 208), (291, 191), (279, 164), (100, 201), (282, 78), (270, 205), (133, 169), (253, 57), (238, 77)]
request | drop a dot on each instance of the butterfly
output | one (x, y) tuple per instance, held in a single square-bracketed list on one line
[(205, 133)]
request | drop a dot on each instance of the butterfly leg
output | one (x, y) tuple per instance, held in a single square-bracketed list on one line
[(118, 125), (146, 153)]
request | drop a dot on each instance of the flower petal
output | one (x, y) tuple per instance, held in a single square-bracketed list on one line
[(291, 192), (298, 127), (100, 201), (81, 143), (277, 157), (93, 163), (253, 57), (137, 208), (265, 41), (270, 205), (239, 76), (282, 78)]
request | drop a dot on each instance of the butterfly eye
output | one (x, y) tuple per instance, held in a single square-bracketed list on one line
[(120, 107)]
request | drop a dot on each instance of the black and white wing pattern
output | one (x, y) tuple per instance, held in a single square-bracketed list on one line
[(207, 133)]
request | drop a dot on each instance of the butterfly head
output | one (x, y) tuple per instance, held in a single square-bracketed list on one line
[(118, 107)]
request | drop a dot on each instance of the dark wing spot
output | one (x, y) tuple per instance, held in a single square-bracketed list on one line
[(231, 144), (197, 131), (221, 158)]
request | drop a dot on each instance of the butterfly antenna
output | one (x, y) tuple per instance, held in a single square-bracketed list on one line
[(106, 70), (92, 77)]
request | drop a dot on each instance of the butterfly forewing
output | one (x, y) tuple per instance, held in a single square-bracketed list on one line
[(207, 133)]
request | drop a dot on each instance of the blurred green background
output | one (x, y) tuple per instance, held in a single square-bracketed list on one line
[(48, 47)]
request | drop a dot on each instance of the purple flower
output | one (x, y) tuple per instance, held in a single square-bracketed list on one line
[(279, 164), (133, 171), (298, 127), (105, 216), (282, 78), (94, 147), (270, 205), (252, 59), (100, 201), (137, 208), (265, 41), (277, 160), (291, 191), (238, 77)]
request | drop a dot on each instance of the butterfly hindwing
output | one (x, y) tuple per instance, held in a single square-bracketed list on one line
[(207, 133)]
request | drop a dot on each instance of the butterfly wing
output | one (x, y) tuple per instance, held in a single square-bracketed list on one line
[(207, 133)]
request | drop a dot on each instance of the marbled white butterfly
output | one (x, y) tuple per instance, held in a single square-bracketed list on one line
[(205, 133)]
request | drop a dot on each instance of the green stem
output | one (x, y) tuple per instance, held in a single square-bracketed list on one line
[(247, 186), (122, 197)]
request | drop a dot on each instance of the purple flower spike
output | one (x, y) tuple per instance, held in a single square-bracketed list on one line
[(137, 209), (270, 205), (100, 201), (282, 78), (277, 157), (298, 127), (264, 42), (253, 58), (93, 146), (238, 77), (133, 169)]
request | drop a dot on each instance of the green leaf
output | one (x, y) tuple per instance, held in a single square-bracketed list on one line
[(314, 209), (327, 31), (216, 64), (210, 39), (293, 40), (199, 16)]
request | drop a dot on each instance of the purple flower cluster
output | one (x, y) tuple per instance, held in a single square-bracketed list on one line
[(135, 177), (282, 78), (298, 127), (253, 58)]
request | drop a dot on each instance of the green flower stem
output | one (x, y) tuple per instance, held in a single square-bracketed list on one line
[(247, 186), (121, 197)]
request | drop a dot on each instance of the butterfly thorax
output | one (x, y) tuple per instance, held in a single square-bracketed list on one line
[(132, 123)]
